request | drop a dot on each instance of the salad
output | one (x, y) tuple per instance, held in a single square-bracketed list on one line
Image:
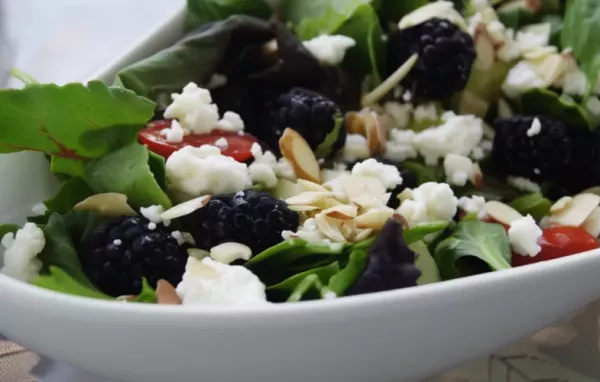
[(316, 149)]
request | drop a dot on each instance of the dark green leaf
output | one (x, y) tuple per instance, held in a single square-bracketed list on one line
[(71, 192), (126, 171), (534, 204), (209, 49), (426, 264), (346, 277), (147, 295), (81, 223), (281, 291), (8, 228), (556, 23), (581, 27), (59, 251), (60, 281), (419, 231), (546, 102), (73, 120), (68, 166), (425, 173), (517, 14), (157, 166), (324, 149), (486, 242), (200, 12)]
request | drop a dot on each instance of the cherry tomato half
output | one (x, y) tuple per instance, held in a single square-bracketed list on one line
[(238, 146), (557, 242)]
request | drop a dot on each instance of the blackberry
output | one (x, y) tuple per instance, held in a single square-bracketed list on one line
[(117, 255), (309, 113), (446, 56), (249, 217), (583, 170), (542, 157)]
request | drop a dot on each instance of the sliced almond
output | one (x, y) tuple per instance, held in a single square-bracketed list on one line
[(166, 293), (227, 253), (110, 204), (300, 156), (375, 134), (328, 228), (550, 67), (310, 197), (341, 212), (593, 190), (303, 208), (580, 208), (305, 185), (374, 219), (501, 212), (199, 268), (484, 47), (592, 223), (286, 189), (362, 234), (356, 185), (327, 203), (355, 123), (198, 253), (348, 229), (367, 201), (185, 208), (561, 204)]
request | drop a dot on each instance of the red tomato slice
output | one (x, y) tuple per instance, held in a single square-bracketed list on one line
[(557, 242), (238, 146)]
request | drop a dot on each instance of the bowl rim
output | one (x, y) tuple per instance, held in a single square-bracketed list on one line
[(282, 310)]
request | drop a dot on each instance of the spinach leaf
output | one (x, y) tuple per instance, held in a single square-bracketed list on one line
[(80, 224), (517, 14), (425, 173), (345, 278), (393, 10), (390, 263), (60, 251), (8, 228), (67, 166), (352, 18), (581, 26), (200, 12), (212, 48), (547, 102), (72, 121), (475, 242), (158, 168), (426, 264), (281, 291), (419, 231), (126, 171), (556, 27), (59, 280), (534, 204), (71, 192)]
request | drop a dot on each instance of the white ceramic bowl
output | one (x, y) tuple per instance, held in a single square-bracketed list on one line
[(403, 335)]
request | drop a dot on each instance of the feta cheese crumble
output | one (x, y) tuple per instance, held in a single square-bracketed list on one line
[(459, 169), (387, 174), (153, 213), (426, 112), (399, 112), (535, 129), (429, 202), (473, 204), (458, 134), (523, 184), (194, 110), (230, 122), (401, 146), (262, 170), (355, 148), (216, 81), (222, 143), (283, 169), (195, 171), (524, 235), (520, 78), (309, 232), (329, 49), (175, 133), (21, 250), (207, 282)]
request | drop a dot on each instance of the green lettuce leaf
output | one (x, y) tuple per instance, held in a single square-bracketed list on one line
[(281, 292), (59, 280), (158, 168), (581, 27), (67, 166), (60, 251), (534, 204), (73, 121), (71, 192), (126, 171), (473, 247), (419, 231), (563, 108), (426, 264), (215, 47), (200, 12)]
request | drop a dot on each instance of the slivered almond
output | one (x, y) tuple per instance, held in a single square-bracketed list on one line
[(310, 197), (305, 185), (226, 253), (593, 190), (580, 208), (348, 229), (501, 212), (166, 293), (329, 228), (110, 204), (341, 212), (375, 134), (355, 123), (366, 201), (374, 219), (327, 203), (561, 204), (185, 208), (300, 208), (592, 223), (300, 156), (362, 234)]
